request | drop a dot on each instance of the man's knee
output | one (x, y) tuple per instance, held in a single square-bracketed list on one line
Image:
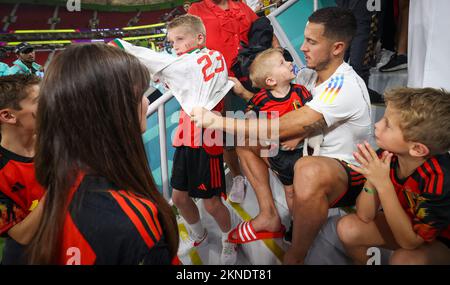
[(348, 230), (315, 176), (307, 168), (310, 172)]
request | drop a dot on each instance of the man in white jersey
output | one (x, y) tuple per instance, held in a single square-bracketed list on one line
[(340, 108)]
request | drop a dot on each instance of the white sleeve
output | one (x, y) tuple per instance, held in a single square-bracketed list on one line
[(198, 79), (154, 61), (335, 103)]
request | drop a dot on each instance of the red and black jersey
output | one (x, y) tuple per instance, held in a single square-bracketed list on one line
[(425, 196), (19, 189), (264, 101), (188, 134), (108, 225)]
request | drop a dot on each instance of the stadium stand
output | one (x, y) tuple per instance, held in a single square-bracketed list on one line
[(114, 19), (74, 20), (30, 15)]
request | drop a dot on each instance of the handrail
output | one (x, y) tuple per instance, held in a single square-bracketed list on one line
[(160, 101), (158, 106)]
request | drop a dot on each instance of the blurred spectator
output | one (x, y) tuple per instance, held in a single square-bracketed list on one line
[(186, 6), (25, 63), (361, 51), (3, 66), (399, 60), (255, 5)]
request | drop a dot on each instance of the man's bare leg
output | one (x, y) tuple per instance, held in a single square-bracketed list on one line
[(318, 181), (231, 159), (257, 173), (289, 192)]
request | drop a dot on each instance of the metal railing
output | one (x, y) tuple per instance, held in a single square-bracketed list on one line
[(158, 106)]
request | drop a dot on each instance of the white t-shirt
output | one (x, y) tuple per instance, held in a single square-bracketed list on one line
[(198, 78), (344, 102)]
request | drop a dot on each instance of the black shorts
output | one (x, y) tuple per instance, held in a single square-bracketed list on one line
[(197, 172), (356, 183), (283, 164)]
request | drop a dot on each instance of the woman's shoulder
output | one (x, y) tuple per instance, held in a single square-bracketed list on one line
[(100, 202)]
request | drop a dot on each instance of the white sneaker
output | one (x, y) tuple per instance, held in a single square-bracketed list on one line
[(186, 246), (229, 253), (237, 192)]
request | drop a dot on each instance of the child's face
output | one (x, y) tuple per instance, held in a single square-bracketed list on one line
[(282, 71), (388, 134), (26, 117), (183, 40)]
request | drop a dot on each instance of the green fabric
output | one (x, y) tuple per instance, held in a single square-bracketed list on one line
[(20, 68), (3, 68), (118, 43)]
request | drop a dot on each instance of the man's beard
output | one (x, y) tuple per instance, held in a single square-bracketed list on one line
[(322, 65)]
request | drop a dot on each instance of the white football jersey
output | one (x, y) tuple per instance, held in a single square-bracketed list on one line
[(198, 78)]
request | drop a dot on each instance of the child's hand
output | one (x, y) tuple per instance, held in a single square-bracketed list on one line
[(375, 169), (206, 119), (291, 144)]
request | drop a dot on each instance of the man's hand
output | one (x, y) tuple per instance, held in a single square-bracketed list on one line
[(206, 119), (240, 90), (375, 169)]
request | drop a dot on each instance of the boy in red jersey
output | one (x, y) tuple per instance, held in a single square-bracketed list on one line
[(19, 189), (409, 178)]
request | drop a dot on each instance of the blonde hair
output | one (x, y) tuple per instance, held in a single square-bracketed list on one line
[(193, 23), (424, 116), (261, 67)]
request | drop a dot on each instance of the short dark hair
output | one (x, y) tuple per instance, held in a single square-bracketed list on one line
[(13, 89), (339, 23)]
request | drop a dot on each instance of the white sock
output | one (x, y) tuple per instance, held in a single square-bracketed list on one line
[(197, 229)]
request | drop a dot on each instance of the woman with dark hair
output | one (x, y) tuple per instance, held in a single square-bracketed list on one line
[(102, 206)]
